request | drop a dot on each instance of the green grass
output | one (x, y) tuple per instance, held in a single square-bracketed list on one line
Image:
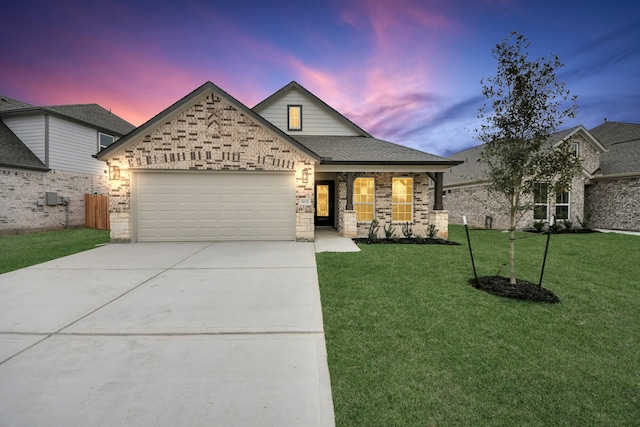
[(410, 343), (29, 249)]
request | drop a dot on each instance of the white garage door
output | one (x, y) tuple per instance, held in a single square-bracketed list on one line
[(184, 206)]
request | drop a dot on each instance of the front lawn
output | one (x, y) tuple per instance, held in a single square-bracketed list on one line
[(410, 343), (23, 250)]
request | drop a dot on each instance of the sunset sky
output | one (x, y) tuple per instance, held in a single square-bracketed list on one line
[(407, 71)]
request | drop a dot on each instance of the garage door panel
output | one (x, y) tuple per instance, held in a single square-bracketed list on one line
[(220, 206)]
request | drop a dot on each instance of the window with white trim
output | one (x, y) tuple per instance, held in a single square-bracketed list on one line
[(402, 200), (575, 149), (563, 200), (540, 201), (294, 117), (364, 199)]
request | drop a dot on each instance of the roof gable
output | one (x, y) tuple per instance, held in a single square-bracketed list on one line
[(271, 109), (91, 114), (473, 168), (186, 103), (14, 153), (623, 143)]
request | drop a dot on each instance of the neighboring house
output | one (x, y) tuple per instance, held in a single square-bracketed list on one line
[(465, 187), (613, 197), (46, 163), (210, 168)]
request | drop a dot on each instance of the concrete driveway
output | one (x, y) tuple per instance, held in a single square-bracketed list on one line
[(166, 334)]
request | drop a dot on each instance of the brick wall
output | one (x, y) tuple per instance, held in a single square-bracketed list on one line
[(21, 190), (210, 135), (383, 210), (614, 203), (477, 204)]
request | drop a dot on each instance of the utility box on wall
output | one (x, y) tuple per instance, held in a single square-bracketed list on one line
[(51, 198)]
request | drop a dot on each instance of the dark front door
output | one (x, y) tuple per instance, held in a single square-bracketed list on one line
[(324, 203)]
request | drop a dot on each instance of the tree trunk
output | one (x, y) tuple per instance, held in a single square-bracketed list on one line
[(512, 239)]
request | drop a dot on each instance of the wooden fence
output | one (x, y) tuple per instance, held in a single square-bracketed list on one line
[(96, 211)]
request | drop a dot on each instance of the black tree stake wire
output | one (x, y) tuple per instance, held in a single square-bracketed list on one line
[(546, 249), (473, 264)]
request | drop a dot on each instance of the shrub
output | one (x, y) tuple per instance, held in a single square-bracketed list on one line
[(567, 223), (407, 230), (538, 225), (373, 231), (586, 222), (433, 231), (418, 238), (389, 231)]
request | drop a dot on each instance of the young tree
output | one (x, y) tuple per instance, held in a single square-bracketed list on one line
[(527, 104)]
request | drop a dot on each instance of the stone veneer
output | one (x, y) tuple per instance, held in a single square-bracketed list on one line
[(20, 191), (383, 183), (211, 135), (614, 203)]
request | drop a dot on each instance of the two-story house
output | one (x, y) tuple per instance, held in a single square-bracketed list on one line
[(47, 163)]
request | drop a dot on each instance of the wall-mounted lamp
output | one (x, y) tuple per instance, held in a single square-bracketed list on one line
[(114, 173), (305, 176)]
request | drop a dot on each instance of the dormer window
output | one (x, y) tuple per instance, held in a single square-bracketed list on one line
[(294, 116)]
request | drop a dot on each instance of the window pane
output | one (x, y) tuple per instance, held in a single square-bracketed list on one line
[(540, 193), (562, 197), (105, 140), (322, 200), (562, 212), (294, 117), (363, 199), (540, 212), (402, 200)]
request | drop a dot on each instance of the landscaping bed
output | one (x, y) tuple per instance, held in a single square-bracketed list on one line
[(404, 241), (523, 290)]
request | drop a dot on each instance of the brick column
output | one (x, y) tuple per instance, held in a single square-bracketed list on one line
[(441, 220), (350, 228)]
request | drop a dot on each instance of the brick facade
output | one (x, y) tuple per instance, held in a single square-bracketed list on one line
[(483, 209), (21, 190), (211, 135), (383, 193), (614, 203)]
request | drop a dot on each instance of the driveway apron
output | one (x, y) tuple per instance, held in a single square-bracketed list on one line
[(166, 334)]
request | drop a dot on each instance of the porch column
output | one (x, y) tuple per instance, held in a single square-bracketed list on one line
[(350, 178), (437, 194), (350, 223)]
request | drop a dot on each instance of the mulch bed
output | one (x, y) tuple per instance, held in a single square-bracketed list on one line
[(564, 231), (523, 290), (404, 241)]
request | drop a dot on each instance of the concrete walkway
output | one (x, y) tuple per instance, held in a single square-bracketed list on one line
[(327, 239), (167, 334)]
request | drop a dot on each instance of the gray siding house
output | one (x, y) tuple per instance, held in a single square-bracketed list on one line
[(50, 150)]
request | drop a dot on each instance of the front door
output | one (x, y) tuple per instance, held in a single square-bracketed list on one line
[(324, 204)]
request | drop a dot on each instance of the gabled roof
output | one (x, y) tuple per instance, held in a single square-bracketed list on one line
[(91, 114), (7, 103), (473, 167), (295, 85), (185, 103), (14, 153), (367, 150), (95, 115), (623, 143)]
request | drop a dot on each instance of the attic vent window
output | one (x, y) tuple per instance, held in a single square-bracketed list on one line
[(294, 116)]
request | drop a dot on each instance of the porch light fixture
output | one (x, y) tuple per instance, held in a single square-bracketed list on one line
[(114, 173), (305, 176)]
